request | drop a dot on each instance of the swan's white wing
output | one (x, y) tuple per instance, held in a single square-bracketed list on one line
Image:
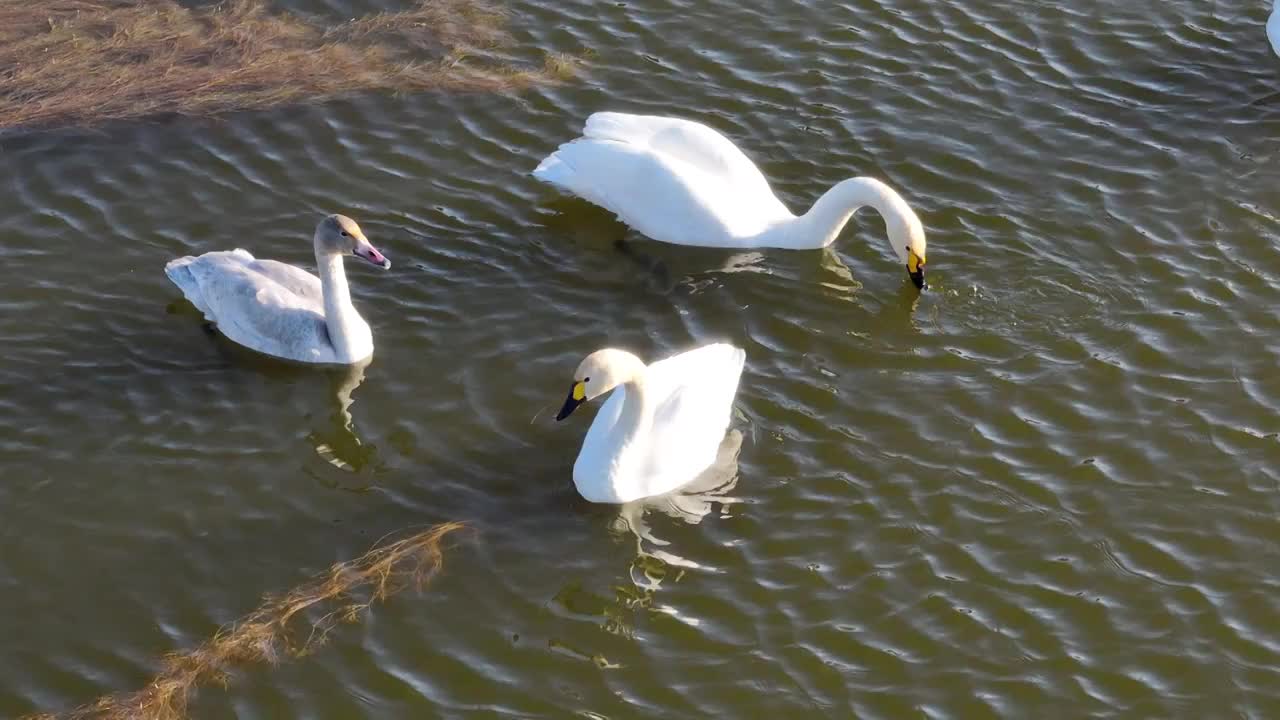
[(179, 271), (294, 279), (1273, 29), (662, 197), (673, 180), (692, 395), (255, 310), (685, 140), (696, 391)]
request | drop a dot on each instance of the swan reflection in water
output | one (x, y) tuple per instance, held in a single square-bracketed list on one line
[(337, 442), (690, 504)]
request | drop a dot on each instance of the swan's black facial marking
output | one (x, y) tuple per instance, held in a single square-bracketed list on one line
[(915, 269), (577, 396)]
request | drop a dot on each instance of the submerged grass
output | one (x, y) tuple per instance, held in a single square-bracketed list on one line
[(265, 636), (84, 62)]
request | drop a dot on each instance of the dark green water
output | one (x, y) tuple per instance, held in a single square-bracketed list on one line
[(1047, 488)]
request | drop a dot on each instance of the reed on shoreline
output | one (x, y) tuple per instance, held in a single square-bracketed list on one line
[(268, 634), (84, 62)]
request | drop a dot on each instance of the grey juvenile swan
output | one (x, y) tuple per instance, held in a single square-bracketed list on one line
[(282, 310)]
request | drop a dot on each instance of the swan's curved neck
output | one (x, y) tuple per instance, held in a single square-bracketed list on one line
[(820, 226), (636, 415), (340, 315)]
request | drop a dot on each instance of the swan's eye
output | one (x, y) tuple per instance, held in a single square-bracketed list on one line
[(343, 233), (586, 380)]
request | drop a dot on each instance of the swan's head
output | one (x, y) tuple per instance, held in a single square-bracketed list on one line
[(600, 372), (907, 237), (339, 235)]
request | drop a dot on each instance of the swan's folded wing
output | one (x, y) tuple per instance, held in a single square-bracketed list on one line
[(690, 142), (659, 195), (697, 390), (292, 278), (258, 312)]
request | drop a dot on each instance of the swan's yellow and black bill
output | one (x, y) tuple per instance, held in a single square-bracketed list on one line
[(577, 396), (915, 269)]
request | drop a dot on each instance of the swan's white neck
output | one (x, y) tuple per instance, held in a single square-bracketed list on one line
[(819, 227), (637, 412), (636, 416), (346, 327)]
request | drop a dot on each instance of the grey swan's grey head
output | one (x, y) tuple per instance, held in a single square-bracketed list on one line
[(339, 235)]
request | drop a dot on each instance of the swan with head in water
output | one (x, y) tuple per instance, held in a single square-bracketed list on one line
[(282, 310), (681, 182), (661, 427)]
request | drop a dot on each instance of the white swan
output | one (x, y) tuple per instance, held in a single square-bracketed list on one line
[(1273, 27), (681, 182), (661, 427), (280, 309)]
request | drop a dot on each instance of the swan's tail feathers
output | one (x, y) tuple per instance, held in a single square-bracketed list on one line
[(731, 359), (179, 272), (738, 359), (732, 356), (610, 127), (554, 170), (588, 169)]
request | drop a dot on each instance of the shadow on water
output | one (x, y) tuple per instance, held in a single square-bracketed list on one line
[(679, 269), (670, 269)]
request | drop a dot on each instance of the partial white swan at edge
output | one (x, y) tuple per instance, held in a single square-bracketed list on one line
[(681, 182), (1273, 27), (282, 310), (661, 427)]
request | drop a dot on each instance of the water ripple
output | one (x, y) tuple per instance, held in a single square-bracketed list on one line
[(1050, 482)]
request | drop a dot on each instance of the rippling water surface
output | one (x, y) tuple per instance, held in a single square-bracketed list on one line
[(1046, 488)]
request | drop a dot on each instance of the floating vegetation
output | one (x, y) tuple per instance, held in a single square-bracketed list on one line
[(84, 62), (265, 636)]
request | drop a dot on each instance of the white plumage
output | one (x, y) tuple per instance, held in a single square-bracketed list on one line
[(662, 425), (1273, 27), (681, 182), (279, 309)]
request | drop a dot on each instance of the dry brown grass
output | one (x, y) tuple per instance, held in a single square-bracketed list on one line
[(264, 636), (83, 62)]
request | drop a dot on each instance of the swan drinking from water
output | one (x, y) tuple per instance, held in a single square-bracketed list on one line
[(661, 427), (681, 182), (282, 310)]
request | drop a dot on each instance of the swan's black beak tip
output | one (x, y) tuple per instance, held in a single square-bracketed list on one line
[(917, 279), (569, 406), (571, 403)]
